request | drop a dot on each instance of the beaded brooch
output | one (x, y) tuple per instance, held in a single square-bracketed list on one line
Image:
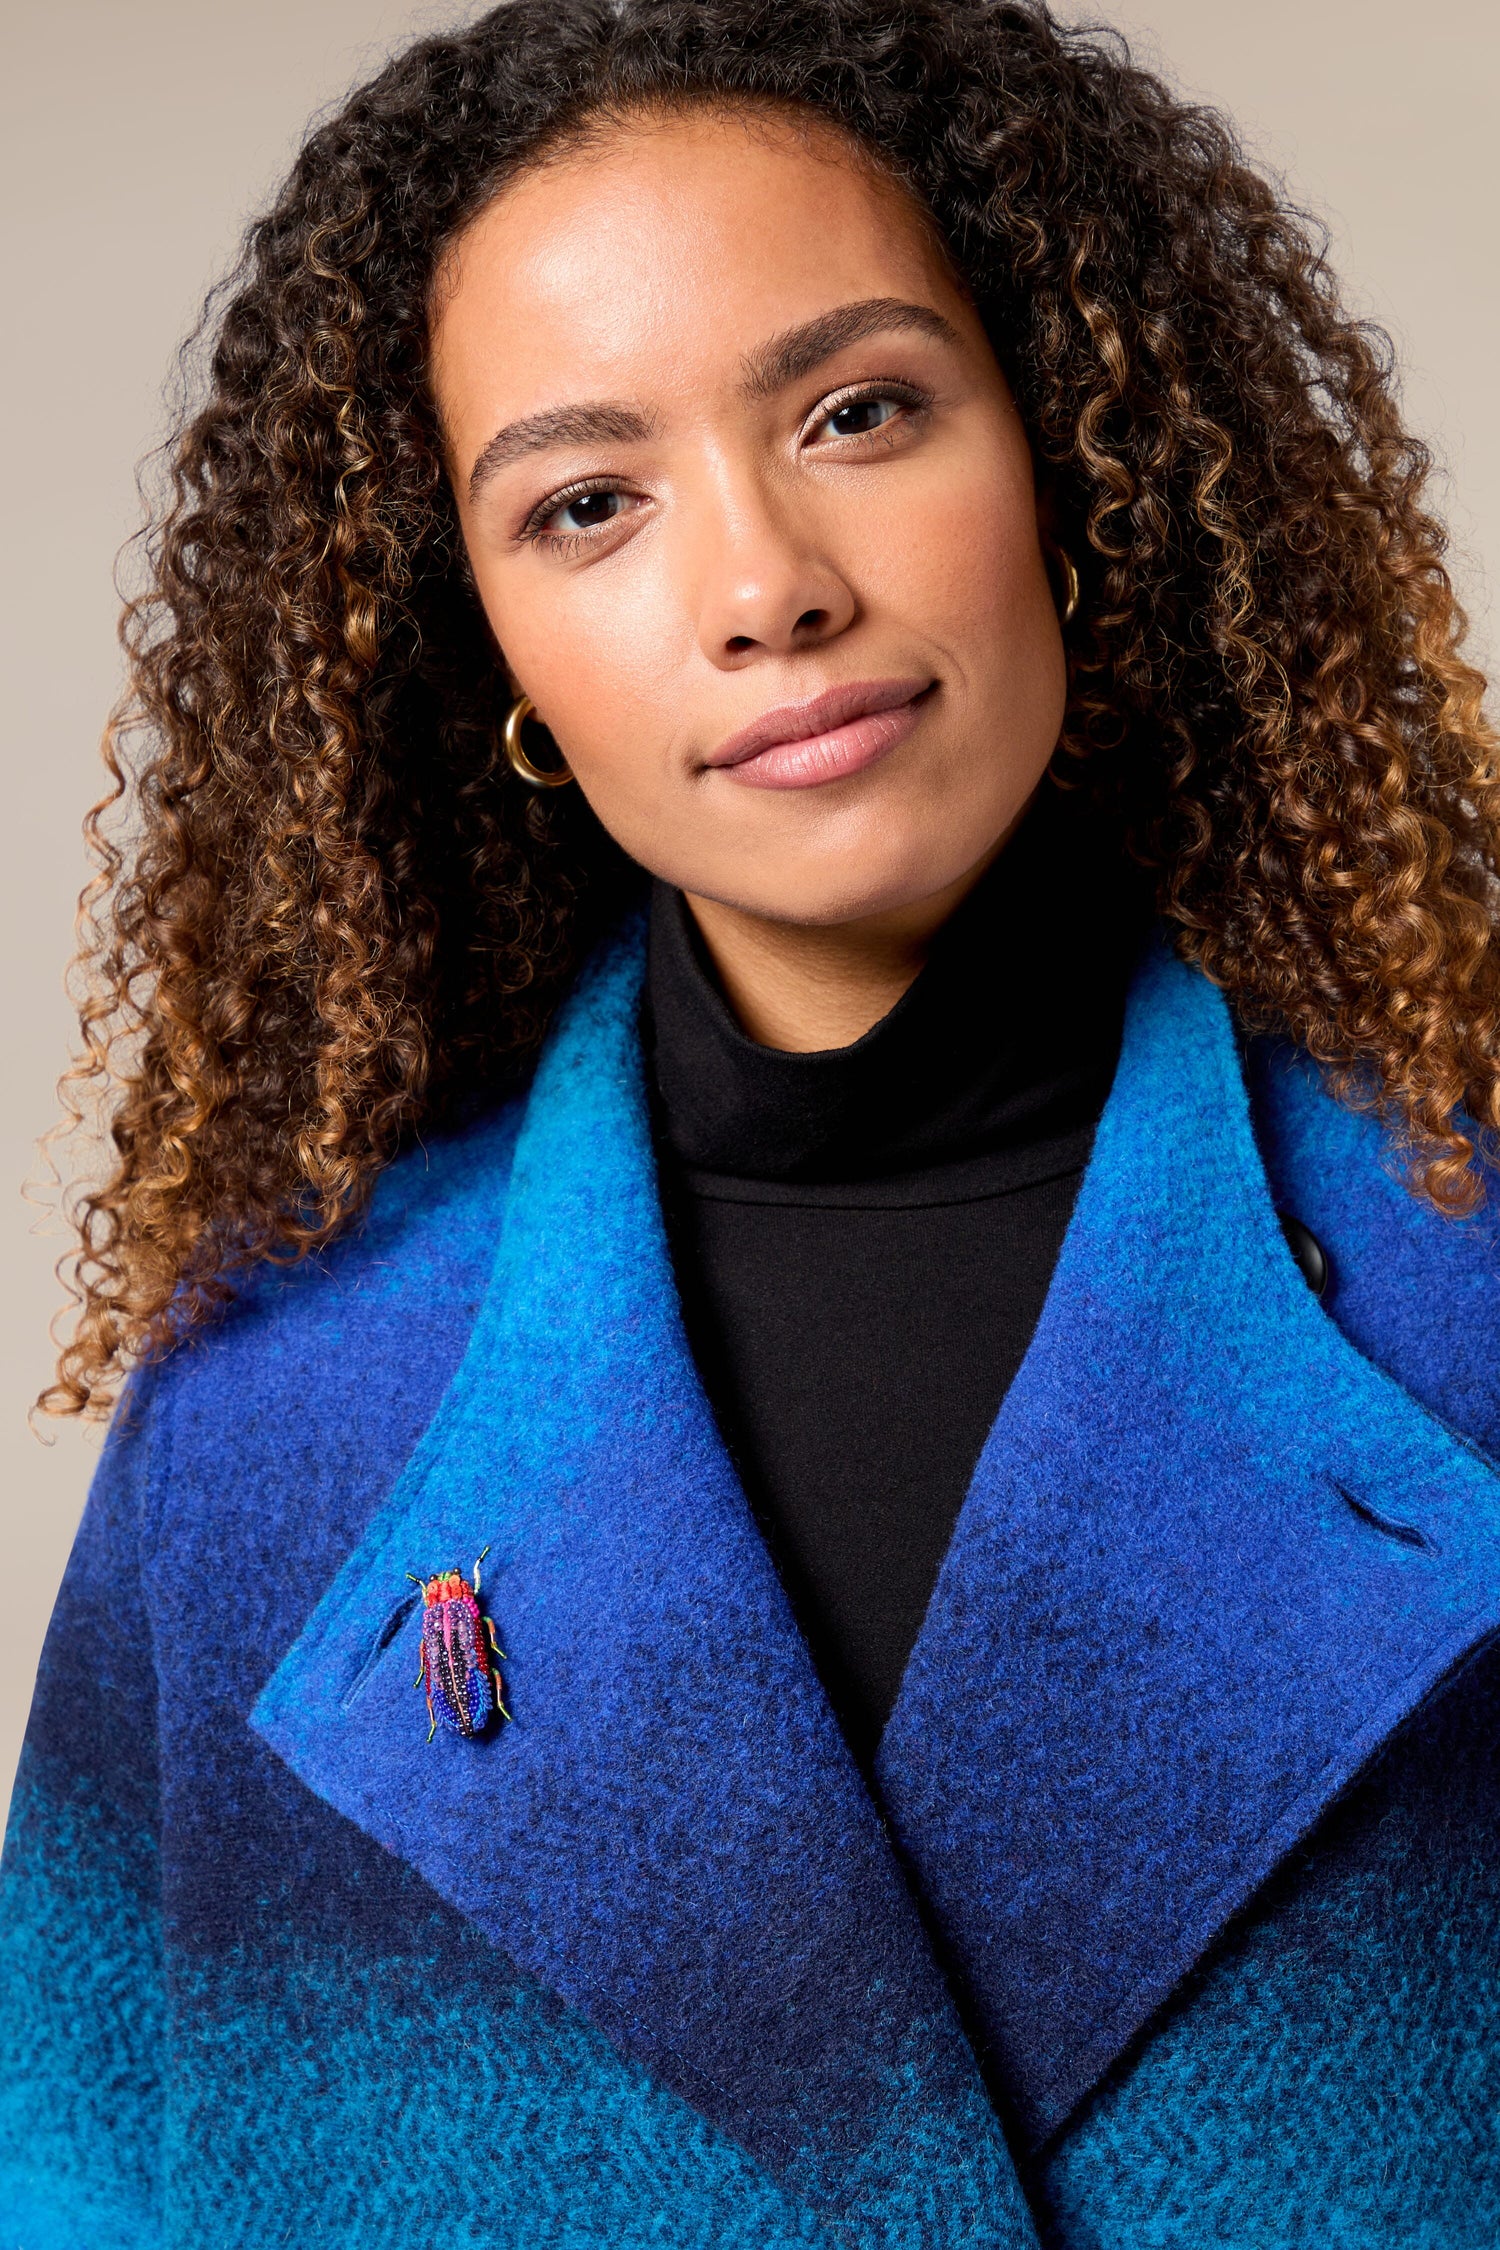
[(459, 1653)]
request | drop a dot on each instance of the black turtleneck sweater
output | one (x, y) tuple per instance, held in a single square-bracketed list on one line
[(863, 1237)]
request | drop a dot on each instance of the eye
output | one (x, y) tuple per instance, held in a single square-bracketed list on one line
[(587, 511), (869, 413), (862, 415), (568, 516)]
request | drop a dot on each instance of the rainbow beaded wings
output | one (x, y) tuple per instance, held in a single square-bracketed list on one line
[(459, 1654)]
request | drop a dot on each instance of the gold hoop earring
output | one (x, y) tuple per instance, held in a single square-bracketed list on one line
[(536, 776), (1071, 587)]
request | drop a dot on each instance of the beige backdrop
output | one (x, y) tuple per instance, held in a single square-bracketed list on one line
[(139, 137)]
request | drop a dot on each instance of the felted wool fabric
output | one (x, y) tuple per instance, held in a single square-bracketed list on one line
[(227, 2015), (1172, 1917)]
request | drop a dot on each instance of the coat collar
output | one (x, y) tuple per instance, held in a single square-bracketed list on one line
[(1210, 1558), (671, 1834)]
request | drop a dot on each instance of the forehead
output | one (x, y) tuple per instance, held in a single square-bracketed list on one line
[(666, 247)]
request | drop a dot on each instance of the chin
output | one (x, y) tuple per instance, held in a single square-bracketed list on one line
[(824, 891)]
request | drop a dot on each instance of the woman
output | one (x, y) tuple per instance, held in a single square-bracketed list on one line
[(805, 1028)]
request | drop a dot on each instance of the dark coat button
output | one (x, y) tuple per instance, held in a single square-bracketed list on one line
[(1308, 1252)]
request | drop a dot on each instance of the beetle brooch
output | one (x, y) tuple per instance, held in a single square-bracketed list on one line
[(459, 1654)]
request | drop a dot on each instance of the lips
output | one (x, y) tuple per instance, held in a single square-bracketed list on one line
[(826, 738)]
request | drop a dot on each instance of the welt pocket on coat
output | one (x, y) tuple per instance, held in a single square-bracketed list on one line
[(378, 1646), (1405, 1534)]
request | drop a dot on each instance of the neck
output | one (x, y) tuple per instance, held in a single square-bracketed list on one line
[(806, 988)]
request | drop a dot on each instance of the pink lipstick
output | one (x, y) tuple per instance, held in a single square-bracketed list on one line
[(827, 738)]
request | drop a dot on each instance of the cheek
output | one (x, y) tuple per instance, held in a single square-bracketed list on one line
[(601, 653), (603, 667), (964, 559), (1004, 617), (962, 564)]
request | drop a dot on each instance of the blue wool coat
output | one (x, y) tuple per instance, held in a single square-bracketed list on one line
[(1171, 1917)]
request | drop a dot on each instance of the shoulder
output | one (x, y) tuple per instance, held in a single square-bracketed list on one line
[(1417, 1292), (298, 1407), (416, 1258)]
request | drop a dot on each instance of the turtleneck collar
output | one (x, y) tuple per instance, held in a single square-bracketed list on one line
[(1008, 1036)]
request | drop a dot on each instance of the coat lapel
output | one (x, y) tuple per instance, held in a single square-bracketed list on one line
[(1210, 1558), (670, 1833)]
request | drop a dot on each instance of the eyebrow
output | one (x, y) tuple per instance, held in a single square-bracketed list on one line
[(784, 359), (599, 424), (797, 351)]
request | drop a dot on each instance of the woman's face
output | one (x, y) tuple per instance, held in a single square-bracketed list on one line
[(751, 513)]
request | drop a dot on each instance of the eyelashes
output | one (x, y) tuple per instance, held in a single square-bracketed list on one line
[(907, 398), (600, 503), (572, 496)]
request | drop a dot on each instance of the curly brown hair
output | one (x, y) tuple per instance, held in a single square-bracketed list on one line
[(340, 920)]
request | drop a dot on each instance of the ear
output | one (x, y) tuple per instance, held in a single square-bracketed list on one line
[(513, 687), (1057, 557)]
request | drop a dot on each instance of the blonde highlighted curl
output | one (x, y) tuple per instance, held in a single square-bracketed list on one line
[(324, 917)]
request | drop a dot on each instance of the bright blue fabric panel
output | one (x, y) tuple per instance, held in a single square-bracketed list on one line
[(361, 2074), (1415, 1292), (1204, 1815), (1211, 1558), (226, 2015), (671, 1833)]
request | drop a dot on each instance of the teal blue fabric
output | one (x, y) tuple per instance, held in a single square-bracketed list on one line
[(1331, 2073), (1173, 1915), (83, 2014)]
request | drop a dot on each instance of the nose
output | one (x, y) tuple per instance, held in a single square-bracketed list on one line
[(767, 585)]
